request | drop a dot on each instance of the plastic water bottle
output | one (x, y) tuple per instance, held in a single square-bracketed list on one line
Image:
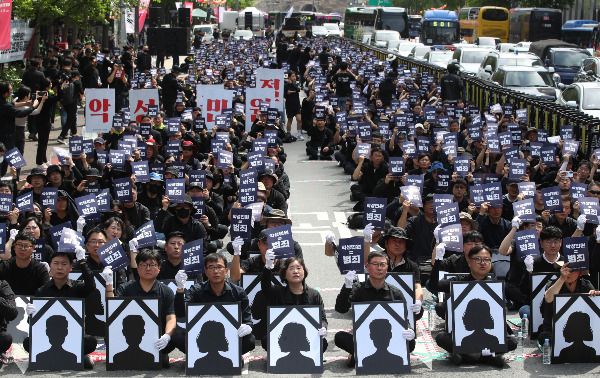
[(520, 346), (431, 319), (525, 326), (546, 357), (319, 152)]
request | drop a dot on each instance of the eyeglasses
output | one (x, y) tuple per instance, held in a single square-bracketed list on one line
[(378, 265), (214, 268), (188, 149), (147, 266), (23, 246), (478, 260), (96, 242), (175, 244)]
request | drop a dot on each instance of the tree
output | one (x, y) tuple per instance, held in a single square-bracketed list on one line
[(242, 3), (555, 4)]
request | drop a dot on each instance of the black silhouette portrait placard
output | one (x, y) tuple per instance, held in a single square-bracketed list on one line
[(56, 334), (18, 328), (379, 347), (95, 312), (294, 343), (212, 342), (251, 284), (406, 283), (538, 289), (576, 329), (133, 326), (479, 318)]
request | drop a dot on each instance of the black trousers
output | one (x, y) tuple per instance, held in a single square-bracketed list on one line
[(313, 154), (169, 108), (345, 341), (178, 341), (89, 344), (5, 341), (43, 136), (32, 124), (444, 341), (71, 123)]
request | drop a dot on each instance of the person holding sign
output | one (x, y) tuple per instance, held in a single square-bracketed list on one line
[(24, 274), (480, 265), (215, 290), (492, 226), (61, 264), (178, 217), (148, 267), (373, 289), (94, 240), (37, 179), (320, 145), (569, 282), (293, 274), (563, 221), (368, 174)]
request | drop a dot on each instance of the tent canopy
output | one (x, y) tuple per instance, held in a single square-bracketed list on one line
[(198, 13)]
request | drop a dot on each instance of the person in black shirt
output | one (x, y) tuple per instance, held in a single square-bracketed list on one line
[(320, 137), (480, 264), (452, 85), (216, 290), (342, 80), (24, 274), (148, 267), (373, 289), (387, 89), (8, 312), (291, 91), (171, 265), (61, 264), (95, 239), (324, 58)]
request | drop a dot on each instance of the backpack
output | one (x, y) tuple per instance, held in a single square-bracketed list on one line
[(68, 97)]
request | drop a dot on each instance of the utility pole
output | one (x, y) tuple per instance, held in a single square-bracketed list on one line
[(136, 31), (122, 23)]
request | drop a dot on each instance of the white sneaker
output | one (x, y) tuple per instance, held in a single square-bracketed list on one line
[(42, 166), (300, 137)]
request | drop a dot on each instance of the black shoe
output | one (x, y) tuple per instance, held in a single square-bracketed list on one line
[(33, 137), (497, 360), (456, 359), (164, 360), (88, 363), (61, 138)]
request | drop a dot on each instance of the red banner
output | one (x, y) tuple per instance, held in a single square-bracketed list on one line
[(190, 6), (5, 11), (144, 4)]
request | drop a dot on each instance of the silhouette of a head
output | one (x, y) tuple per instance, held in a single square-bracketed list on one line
[(293, 338), (477, 316), (578, 328), (134, 329), (381, 333), (212, 338), (57, 329)]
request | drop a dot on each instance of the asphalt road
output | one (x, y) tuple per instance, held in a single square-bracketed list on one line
[(319, 203)]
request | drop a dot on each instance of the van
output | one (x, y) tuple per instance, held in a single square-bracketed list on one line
[(206, 28)]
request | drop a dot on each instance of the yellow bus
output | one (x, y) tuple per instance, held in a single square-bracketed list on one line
[(483, 22)]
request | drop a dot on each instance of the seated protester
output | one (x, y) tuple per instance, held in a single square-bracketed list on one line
[(568, 283), (321, 138), (24, 274), (95, 239), (262, 198), (258, 126), (148, 266), (368, 174), (187, 156), (480, 264), (61, 286), (388, 187), (93, 182), (348, 146), (152, 154), (516, 271), (563, 221), (373, 289), (547, 262), (282, 184), (150, 194), (134, 213), (178, 217), (459, 189), (512, 195), (66, 211), (212, 198), (37, 179), (420, 229), (492, 226), (423, 166), (455, 262), (275, 199), (56, 179), (172, 263), (215, 231), (8, 313), (293, 274), (32, 226), (215, 290)]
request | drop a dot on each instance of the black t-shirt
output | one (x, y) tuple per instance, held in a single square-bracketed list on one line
[(342, 81), (24, 281)]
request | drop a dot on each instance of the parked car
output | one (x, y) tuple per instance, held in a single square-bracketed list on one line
[(418, 52), (487, 41), (585, 97), (406, 47), (534, 81), (565, 57), (319, 31), (468, 58), (439, 58), (332, 28), (246, 35), (494, 60), (381, 38)]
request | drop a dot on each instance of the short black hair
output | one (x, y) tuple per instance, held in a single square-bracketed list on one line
[(375, 254), (551, 232), (478, 248), (146, 254), (69, 255), (95, 230), (4, 88), (175, 234), (473, 237), (215, 257), (286, 264), (25, 236), (343, 66)]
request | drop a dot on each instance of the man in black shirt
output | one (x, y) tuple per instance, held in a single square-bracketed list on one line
[(551, 243), (373, 289), (387, 89), (320, 137), (342, 81), (148, 267), (452, 85), (8, 312), (24, 274), (61, 264), (324, 58), (172, 264), (216, 290), (95, 239), (170, 87)]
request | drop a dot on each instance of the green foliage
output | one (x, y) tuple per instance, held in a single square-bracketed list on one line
[(243, 4), (556, 4), (12, 74)]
